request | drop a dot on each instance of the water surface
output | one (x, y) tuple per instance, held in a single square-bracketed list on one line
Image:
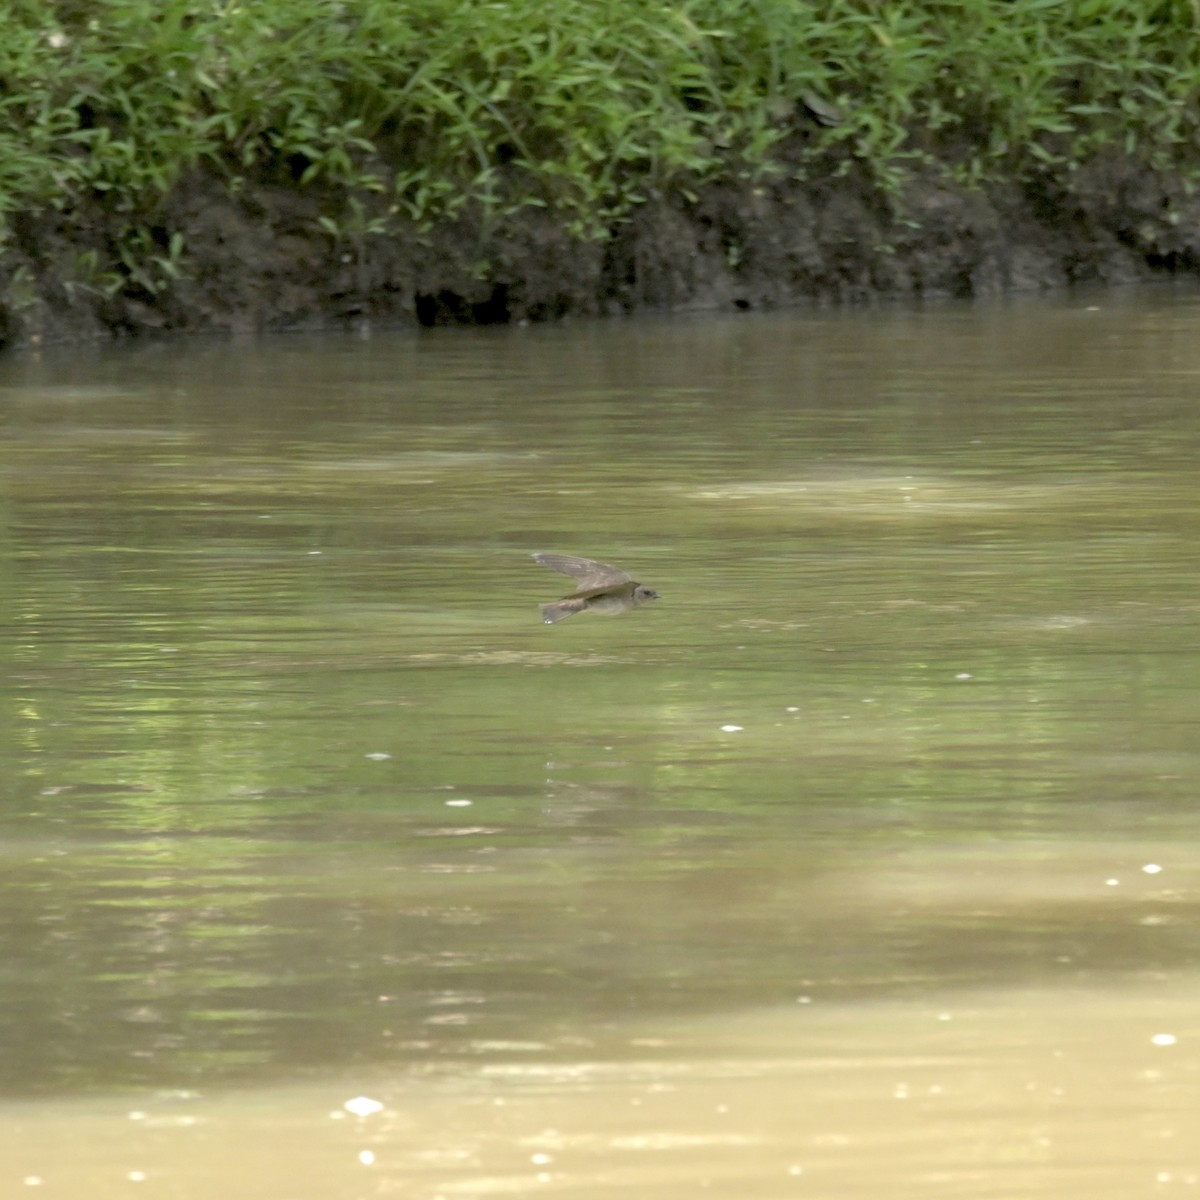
[(864, 862)]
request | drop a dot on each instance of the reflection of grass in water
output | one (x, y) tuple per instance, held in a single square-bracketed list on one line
[(176, 468), (530, 658)]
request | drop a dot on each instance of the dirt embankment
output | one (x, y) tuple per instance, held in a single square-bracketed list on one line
[(260, 259)]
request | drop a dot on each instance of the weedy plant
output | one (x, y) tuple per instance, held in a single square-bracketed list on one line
[(440, 110)]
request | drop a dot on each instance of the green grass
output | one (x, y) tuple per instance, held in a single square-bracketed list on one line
[(408, 114)]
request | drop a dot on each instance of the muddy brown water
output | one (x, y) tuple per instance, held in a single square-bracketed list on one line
[(864, 863)]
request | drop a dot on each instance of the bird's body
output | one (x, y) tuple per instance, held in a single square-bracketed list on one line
[(601, 589)]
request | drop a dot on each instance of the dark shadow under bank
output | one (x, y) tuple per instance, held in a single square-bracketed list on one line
[(259, 259)]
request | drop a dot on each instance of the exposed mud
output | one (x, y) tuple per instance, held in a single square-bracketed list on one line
[(259, 258)]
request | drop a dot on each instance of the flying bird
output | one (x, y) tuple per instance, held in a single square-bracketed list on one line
[(599, 588)]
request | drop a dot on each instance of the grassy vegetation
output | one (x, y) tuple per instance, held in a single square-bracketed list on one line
[(427, 111)]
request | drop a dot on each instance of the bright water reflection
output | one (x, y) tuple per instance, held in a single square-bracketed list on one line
[(301, 799)]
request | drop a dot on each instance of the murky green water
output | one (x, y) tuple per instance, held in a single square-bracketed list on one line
[(866, 858)]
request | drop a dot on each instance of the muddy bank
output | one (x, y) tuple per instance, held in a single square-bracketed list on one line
[(260, 258)]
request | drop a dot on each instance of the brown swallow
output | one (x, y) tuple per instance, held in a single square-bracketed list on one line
[(602, 589)]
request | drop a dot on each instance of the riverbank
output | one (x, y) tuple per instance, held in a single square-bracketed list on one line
[(177, 166)]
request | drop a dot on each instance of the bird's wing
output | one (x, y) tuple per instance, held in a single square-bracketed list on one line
[(592, 576)]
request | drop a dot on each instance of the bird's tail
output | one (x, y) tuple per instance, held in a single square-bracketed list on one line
[(560, 610)]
